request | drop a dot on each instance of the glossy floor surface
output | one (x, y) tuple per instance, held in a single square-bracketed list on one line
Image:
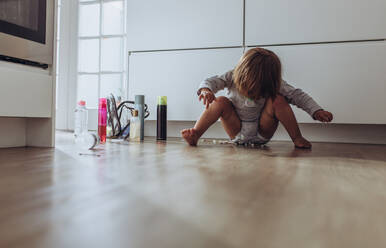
[(171, 195)]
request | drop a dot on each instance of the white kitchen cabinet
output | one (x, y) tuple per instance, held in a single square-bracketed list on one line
[(302, 21), (177, 75), (348, 79), (171, 24), (25, 92)]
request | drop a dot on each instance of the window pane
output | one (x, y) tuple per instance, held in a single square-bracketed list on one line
[(111, 84), (88, 55), (88, 90), (89, 19), (112, 22), (111, 59)]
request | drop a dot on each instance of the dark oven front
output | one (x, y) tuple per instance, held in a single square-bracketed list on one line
[(24, 18)]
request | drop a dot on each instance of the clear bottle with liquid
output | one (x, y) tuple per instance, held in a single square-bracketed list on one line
[(81, 119), (135, 127), (87, 141)]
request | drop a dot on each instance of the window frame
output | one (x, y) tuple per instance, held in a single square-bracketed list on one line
[(100, 37), (69, 61)]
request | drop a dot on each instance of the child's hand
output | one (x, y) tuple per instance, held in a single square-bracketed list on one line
[(323, 116), (207, 96)]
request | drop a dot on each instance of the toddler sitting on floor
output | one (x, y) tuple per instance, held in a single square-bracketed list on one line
[(257, 100)]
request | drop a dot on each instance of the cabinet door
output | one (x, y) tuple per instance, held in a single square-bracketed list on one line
[(25, 93), (300, 21), (177, 75), (348, 79), (171, 24)]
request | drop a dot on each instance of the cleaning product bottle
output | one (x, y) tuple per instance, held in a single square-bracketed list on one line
[(162, 118), (81, 119), (125, 124), (140, 106), (102, 120), (135, 127), (109, 128)]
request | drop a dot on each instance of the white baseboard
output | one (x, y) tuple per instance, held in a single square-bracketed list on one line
[(315, 132), (339, 133)]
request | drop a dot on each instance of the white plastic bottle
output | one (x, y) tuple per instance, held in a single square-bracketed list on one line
[(87, 141), (81, 119), (135, 127)]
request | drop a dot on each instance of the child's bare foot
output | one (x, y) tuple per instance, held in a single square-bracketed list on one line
[(190, 135), (302, 143)]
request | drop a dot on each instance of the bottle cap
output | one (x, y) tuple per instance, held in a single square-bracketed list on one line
[(82, 103), (139, 99), (162, 100), (135, 113)]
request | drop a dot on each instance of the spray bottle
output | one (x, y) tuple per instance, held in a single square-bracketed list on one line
[(140, 106), (135, 127), (102, 120), (162, 118)]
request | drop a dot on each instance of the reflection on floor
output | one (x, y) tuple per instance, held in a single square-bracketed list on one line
[(171, 195)]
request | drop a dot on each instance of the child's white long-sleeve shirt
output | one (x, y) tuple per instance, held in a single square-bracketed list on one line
[(248, 110)]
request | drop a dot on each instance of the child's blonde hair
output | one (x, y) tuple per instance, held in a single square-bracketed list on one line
[(258, 74)]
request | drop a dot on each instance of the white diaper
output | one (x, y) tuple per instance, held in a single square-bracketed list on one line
[(249, 133)]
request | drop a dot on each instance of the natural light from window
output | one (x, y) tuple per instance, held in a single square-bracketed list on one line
[(101, 50)]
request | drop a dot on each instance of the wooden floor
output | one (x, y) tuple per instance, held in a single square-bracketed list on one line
[(171, 195)]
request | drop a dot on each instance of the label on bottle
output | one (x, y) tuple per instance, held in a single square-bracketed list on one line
[(102, 117), (161, 122)]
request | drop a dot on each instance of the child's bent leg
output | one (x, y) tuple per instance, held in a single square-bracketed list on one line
[(220, 108), (279, 110)]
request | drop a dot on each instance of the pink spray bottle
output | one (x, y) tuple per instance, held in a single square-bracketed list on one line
[(102, 120)]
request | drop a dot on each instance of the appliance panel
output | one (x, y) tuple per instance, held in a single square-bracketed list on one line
[(15, 46)]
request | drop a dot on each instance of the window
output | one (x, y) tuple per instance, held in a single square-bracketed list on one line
[(101, 50)]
